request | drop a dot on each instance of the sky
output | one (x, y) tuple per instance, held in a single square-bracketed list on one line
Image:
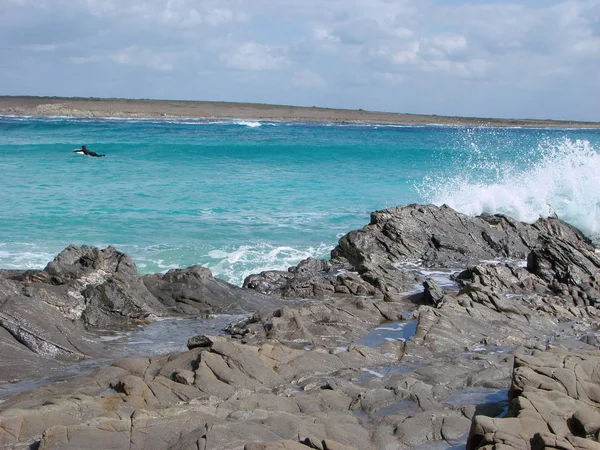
[(510, 59)]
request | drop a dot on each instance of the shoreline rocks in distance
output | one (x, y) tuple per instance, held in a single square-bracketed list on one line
[(145, 108)]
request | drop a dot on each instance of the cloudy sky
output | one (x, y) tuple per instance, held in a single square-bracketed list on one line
[(493, 58)]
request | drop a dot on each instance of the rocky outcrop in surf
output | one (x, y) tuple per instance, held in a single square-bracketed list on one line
[(367, 351), (374, 260), (44, 314)]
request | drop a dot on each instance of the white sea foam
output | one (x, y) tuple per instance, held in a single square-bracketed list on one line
[(235, 265), (21, 258), (560, 177), (249, 124)]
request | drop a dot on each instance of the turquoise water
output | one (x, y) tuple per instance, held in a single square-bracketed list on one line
[(240, 197)]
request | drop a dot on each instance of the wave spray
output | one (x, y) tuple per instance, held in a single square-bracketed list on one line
[(560, 177)]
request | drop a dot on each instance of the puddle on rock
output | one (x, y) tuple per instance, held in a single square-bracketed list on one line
[(370, 373), (482, 349), (54, 375), (391, 331), (155, 338), (441, 275), (403, 407), (458, 444), (489, 402), (165, 335)]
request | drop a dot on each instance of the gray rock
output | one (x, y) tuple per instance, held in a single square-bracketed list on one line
[(44, 313), (183, 376), (433, 294), (111, 290), (199, 341), (293, 376), (195, 291), (366, 261), (555, 399)]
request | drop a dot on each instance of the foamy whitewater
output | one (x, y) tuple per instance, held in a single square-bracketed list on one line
[(244, 196)]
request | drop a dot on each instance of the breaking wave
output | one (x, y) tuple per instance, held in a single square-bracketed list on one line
[(234, 265), (249, 123), (560, 177)]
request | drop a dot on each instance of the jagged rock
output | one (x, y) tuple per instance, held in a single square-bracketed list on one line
[(555, 404), (310, 278), (330, 323), (107, 280), (430, 235), (560, 277), (564, 266), (35, 337), (74, 263), (294, 375), (199, 341), (195, 291), (43, 312), (433, 294)]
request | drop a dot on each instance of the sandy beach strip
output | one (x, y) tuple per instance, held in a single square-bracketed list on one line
[(141, 108)]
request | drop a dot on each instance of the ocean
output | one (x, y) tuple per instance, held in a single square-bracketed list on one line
[(241, 196)]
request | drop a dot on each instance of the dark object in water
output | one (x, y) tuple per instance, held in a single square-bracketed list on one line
[(87, 152)]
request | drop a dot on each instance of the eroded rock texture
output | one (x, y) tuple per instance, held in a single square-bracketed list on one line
[(555, 404), (312, 372), (370, 261), (44, 313)]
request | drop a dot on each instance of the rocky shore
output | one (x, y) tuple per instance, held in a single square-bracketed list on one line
[(144, 108), (426, 329)]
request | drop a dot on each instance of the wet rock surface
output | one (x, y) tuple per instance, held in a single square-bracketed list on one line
[(555, 404), (368, 261), (45, 315), (360, 355)]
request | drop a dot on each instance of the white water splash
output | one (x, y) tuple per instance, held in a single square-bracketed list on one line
[(561, 177), (23, 259), (235, 265), (249, 123)]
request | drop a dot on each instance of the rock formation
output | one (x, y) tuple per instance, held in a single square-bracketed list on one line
[(329, 367), (44, 313), (371, 261)]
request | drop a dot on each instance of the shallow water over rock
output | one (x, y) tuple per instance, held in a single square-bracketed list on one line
[(166, 335), (391, 331), (480, 396), (158, 337), (488, 402)]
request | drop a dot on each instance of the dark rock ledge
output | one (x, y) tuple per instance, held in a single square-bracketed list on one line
[(44, 314), (298, 374)]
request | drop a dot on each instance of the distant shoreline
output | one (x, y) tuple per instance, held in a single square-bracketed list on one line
[(177, 109)]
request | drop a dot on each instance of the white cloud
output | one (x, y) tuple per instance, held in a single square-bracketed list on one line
[(589, 46), (378, 54), (40, 47), (471, 69), (449, 43), (408, 55), (132, 56), (136, 56), (308, 79), (253, 56)]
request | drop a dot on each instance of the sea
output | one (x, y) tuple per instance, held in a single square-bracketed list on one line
[(240, 197)]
